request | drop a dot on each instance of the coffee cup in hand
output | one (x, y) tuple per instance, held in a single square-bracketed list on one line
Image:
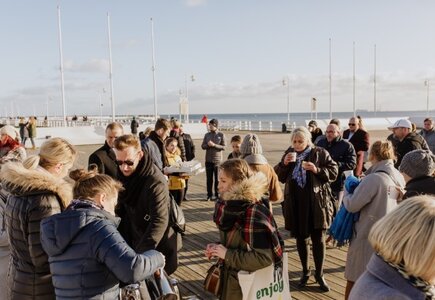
[(292, 156), (348, 173)]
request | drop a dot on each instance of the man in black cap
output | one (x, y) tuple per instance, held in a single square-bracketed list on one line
[(213, 144)]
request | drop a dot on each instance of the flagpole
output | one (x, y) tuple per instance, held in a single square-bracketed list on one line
[(374, 82), (112, 96), (354, 109), (330, 80), (154, 70), (62, 82)]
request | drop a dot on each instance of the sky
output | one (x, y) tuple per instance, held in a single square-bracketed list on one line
[(238, 51)]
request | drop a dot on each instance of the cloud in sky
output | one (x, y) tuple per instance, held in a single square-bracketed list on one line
[(95, 65), (193, 3)]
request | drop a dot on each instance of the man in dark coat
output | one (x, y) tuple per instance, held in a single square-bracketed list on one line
[(343, 153), (360, 140), (104, 157), (407, 140), (144, 204), (134, 125), (418, 167), (154, 143)]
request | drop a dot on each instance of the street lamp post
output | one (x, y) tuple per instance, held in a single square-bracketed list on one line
[(286, 82), (426, 83)]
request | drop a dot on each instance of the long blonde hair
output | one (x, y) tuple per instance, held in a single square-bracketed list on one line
[(407, 235), (52, 152)]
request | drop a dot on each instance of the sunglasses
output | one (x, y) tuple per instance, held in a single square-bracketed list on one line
[(351, 124), (127, 162)]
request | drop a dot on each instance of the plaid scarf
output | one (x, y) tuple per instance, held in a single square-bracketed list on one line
[(299, 173), (255, 222), (417, 282)]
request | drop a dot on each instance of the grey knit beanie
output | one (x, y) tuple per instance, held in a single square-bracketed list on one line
[(418, 163), (251, 145)]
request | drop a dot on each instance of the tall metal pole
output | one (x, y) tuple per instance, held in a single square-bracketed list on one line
[(374, 83), (288, 100), (112, 96), (62, 82), (154, 70), (354, 107), (330, 79), (427, 97)]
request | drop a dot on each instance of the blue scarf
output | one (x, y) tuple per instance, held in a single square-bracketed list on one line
[(299, 173)]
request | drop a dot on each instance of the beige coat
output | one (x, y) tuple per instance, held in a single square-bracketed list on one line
[(275, 190), (371, 199)]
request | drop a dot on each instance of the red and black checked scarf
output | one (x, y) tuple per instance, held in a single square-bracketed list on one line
[(254, 220)]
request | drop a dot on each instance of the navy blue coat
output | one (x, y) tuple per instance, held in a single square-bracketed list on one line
[(88, 257)]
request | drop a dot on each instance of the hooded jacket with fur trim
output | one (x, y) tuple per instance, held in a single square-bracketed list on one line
[(239, 256), (34, 195)]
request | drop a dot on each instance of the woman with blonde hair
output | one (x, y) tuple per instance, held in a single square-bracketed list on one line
[(248, 233), (307, 172), (403, 266), (37, 190), (374, 197), (88, 255)]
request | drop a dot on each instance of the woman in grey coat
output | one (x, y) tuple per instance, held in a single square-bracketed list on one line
[(88, 256), (404, 264), (374, 197)]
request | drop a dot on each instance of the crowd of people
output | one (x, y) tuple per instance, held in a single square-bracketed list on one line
[(112, 227)]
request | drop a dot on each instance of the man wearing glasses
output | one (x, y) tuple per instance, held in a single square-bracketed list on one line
[(143, 206), (360, 140), (343, 153), (104, 157)]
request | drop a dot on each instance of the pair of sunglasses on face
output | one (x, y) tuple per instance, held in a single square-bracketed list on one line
[(127, 162)]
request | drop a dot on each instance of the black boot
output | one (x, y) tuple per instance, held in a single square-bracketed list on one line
[(322, 283), (304, 279)]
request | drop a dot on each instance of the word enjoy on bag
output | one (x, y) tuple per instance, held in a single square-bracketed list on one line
[(276, 287)]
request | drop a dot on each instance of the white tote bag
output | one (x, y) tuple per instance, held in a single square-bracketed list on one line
[(266, 283)]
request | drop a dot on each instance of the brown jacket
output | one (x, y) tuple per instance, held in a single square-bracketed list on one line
[(275, 190), (320, 192)]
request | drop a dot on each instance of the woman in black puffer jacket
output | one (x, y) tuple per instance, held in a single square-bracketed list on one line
[(88, 256), (36, 191)]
